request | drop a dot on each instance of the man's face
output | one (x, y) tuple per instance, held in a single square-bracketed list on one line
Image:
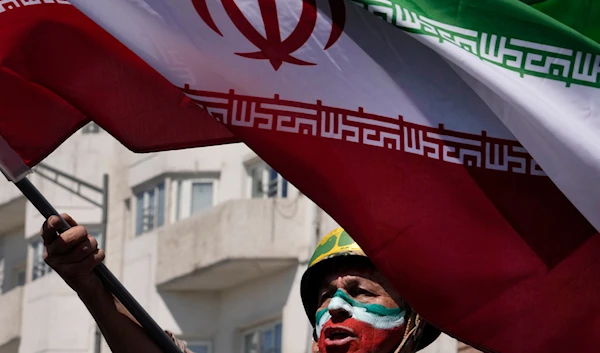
[(358, 313)]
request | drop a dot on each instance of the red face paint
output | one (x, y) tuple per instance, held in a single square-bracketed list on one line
[(353, 336)]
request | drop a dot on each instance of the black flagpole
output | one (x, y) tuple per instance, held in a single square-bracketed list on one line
[(162, 340)]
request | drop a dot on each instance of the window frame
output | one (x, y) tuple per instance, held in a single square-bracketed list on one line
[(140, 229), (182, 203), (20, 268), (39, 267), (261, 329), (191, 343), (283, 186)]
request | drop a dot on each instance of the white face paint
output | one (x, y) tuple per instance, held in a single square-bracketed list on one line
[(374, 315)]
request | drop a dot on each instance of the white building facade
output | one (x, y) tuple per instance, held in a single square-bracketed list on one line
[(212, 242)]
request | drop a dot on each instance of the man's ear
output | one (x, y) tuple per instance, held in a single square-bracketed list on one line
[(315, 347)]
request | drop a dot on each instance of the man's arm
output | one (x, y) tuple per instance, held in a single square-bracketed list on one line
[(73, 255), (119, 328)]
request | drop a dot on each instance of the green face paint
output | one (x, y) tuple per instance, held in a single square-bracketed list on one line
[(375, 315)]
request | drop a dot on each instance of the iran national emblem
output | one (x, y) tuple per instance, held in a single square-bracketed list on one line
[(271, 46)]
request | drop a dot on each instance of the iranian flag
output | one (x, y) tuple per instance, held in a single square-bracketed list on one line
[(458, 141)]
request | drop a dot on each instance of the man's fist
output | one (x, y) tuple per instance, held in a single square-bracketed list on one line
[(73, 254)]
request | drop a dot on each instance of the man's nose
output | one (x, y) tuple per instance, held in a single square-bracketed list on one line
[(339, 309), (339, 314)]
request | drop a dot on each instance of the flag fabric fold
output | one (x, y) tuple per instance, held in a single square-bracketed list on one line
[(59, 70), (539, 75), (411, 123)]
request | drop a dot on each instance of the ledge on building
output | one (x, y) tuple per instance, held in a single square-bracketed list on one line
[(233, 242)]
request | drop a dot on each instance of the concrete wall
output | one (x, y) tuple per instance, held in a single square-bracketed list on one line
[(11, 304), (297, 332), (226, 160), (120, 210), (216, 316), (54, 319), (236, 229), (86, 156), (254, 304), (139, 271), (12, 214), (8, 191), (191, 313)]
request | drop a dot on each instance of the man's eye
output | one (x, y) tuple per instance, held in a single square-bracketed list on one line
[(324, 296), (362, 291)]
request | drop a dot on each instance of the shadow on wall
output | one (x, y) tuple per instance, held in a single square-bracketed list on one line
[(224, 316), (194, 312), (10, 347), (249, 307)]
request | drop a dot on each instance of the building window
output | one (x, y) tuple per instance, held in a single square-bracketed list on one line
[(150, 211), (193, 196), (19, 276), (266, 339), (91, 128), (199, 347), (39, 268), (202, 196), (266, 182)]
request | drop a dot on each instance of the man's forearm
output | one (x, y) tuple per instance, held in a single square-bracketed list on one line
[(74, 254), (121, 331)]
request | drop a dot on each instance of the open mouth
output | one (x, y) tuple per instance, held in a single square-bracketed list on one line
[(338, 335)]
